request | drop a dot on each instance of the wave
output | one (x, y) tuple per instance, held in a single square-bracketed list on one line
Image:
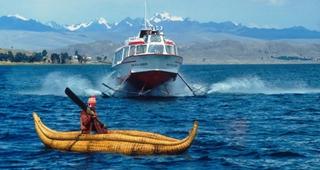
[(178, 88), (286, 154), (56, 82), (255, 85)]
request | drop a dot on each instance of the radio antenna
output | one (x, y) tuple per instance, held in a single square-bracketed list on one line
[(145, 14)]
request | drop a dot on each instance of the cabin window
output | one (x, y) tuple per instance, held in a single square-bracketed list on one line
[(145, 38), (175, 48), (132, 50), (155, 38), (141, 49), (125, 53), (118, 57), (157, 49), (170, 49)]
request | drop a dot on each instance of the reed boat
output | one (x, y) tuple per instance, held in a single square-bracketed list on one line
[(129, 142)]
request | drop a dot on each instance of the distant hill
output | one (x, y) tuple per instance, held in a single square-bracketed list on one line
[(95, 49), (251, 52), (31, 40), (223, 51), (4, 51), (16, 22)]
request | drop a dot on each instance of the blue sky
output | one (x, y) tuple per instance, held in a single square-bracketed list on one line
[(259, 13)]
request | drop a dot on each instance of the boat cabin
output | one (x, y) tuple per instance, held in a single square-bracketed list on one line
[(148, 42)]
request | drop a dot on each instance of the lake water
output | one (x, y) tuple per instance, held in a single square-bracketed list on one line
[(252, 117)]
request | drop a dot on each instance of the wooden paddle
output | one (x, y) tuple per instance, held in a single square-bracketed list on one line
[(83, 106), (78, 101)]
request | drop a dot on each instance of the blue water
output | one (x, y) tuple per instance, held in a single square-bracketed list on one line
[(252, 117)]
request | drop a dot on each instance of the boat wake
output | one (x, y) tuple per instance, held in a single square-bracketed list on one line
[(255, 85), (56, 82), (179, 89), (236, 85)]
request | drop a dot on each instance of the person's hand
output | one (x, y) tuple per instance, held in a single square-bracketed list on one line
[(89, 111)]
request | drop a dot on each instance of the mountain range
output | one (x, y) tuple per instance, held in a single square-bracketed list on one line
[(173, 25), (18, 32)]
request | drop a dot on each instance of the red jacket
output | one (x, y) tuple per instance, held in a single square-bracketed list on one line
[(90, 123)]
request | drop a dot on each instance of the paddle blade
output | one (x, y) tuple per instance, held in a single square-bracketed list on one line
[(75, 98)]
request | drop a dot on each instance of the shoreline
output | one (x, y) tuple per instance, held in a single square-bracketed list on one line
[(48, 64), (39, 63)]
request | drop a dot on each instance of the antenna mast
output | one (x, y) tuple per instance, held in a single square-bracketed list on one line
[(145, 14)]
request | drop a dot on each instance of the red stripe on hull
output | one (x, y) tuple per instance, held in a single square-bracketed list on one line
[(136, 43), (150, 79)]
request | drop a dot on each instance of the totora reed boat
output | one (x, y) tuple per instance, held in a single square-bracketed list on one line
[(130, 142)]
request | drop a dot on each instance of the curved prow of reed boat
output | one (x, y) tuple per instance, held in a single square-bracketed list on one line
[(130, 142)]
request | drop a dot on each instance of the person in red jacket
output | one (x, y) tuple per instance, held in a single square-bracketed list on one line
[(89, 120)]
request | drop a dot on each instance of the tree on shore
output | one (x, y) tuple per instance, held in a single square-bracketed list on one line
[(44, 53), (81, 59), (65, 58), (21, 57), (10, 56), (3, 57), (55, 58), (62, 58), (36, 57)]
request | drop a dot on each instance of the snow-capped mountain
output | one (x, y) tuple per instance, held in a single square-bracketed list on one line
[(164, 16), (103, 21), (76, 27), (174, 25), (100, 24), (128, 23), (17, 16), (18, 22), (55, 26)]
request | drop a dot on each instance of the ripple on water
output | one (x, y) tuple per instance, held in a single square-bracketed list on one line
[(285, 154)]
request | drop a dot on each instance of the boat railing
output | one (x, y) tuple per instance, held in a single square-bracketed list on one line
[(132, 38)]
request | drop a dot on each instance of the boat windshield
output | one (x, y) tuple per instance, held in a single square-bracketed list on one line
[(155, 38), (118, 57), (170, 49), (125, 53), (132, 50), (141, 49), (157, 49)]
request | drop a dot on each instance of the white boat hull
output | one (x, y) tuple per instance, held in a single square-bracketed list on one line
[(144, 72)]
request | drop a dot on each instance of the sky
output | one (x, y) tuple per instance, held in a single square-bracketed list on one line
[(253, 13)]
